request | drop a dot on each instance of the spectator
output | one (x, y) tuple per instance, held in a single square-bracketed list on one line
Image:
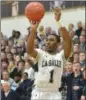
[(6, 77), (82, 57), (7, 49), (18, 69), (70, 27), (7, 93), (78, 31), (24, 88), (76, 57), (76, 48), (75, 83), (10, 43), (28, 69), (82, 43), (17, 79)]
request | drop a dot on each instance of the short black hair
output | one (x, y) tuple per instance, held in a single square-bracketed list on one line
[(21, 61), (57, 37), (17, 74), (25, 74)]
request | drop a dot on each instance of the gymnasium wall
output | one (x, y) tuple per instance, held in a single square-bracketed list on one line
[(21, 23)]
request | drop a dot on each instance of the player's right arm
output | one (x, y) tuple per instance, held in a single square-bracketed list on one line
[(30, 43)]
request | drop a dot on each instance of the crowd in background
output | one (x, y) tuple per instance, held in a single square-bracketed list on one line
[(18, 68)]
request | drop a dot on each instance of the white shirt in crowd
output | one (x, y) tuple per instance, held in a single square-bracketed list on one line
[(30, 72)]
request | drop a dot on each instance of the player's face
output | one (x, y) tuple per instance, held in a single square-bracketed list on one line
[(51, 43)]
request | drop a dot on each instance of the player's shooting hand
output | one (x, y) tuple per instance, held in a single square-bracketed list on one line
[(57, 13), (34, 26), (75, 87)]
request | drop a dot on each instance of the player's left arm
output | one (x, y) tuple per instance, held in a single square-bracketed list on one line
[(65, 35), (67, 42)]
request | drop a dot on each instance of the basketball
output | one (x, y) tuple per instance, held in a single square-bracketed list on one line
[(34, 11)]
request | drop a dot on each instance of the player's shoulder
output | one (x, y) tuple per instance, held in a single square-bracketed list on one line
[(60, 53)]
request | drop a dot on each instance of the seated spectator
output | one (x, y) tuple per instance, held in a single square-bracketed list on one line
[(17, 80), (25, 86), (7, 93), (6, 77), (19, 68)]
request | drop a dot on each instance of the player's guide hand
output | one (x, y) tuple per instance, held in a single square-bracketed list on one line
[(75, 88), (34, 26)]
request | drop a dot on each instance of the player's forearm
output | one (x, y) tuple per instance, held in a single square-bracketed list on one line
[(30, 42), (67, 46)]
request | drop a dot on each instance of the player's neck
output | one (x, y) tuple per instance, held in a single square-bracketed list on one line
[(52, 52)]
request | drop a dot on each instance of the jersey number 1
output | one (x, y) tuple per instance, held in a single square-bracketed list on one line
[(51, 76)]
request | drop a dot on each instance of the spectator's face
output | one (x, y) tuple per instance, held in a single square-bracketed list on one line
[(5, 76), (82, 56), (70, 27), (22, 43), (71, 33), (25, 77), (17, 58), (21, 66), (13, 50), (83, 33), (82, 39), (51, 43), (7, 49), (79, 24), (75, 48), (10, 43), (27, 65), (41, 28), (17, 79), (76, 68), (76, 57), (3, 55), (4, 65), (48, 30), (6, 87), (3, 43), (69, 67), (26, 56), (9, 56)]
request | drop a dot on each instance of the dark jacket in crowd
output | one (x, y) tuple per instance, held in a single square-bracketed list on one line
[(11, 96), (24, 88), (71, 81), (78, 32)]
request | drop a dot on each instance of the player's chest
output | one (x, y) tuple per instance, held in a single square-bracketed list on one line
[(49, 60)]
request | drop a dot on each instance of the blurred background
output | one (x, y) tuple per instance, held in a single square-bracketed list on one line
[(12, 14)]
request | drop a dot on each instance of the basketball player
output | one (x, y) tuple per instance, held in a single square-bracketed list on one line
[(50, 63)]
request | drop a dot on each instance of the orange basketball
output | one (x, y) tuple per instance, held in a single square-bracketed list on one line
[(34, 11)]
